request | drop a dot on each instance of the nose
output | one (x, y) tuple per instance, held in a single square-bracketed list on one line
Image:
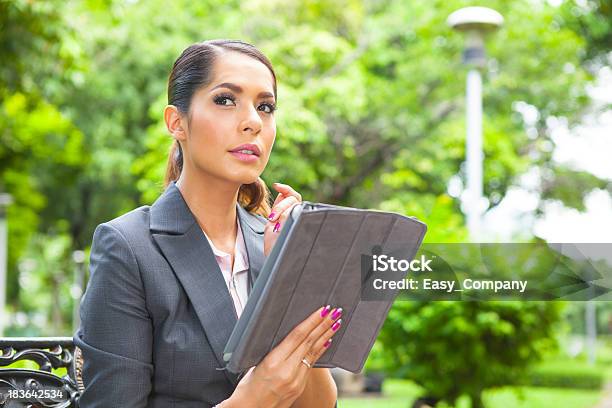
[(252, 121)]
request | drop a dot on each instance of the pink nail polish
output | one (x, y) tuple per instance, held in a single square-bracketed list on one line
[(325, 311), (271, 216), (327, 343), (337, 313), (276, 227), (336, 325)]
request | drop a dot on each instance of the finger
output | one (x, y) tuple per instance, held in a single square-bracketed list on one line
[(274, 212), (279, 197), (319, 348), (282, 218), (283, 193), (312, 344), (281, 207), (286, 190), (297, 335), (325, 342)]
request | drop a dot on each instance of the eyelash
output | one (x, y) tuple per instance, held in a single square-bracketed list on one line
[(219, 99)]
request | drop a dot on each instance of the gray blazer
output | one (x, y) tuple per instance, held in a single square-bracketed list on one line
[(157, 314)]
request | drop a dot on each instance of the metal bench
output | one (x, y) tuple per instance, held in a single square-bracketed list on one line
[(37, 388)]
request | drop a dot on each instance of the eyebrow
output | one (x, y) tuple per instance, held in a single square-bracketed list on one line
[(238, 89)]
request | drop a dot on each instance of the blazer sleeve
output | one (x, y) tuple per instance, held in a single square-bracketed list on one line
[(115, 334)]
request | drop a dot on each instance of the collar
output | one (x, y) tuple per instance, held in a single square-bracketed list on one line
[(170, 214)]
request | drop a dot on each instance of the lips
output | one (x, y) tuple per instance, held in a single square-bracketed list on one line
[(247, 149)]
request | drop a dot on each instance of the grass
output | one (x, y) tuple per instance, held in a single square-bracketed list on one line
[(401, 394), (533, 397), (397, 393)]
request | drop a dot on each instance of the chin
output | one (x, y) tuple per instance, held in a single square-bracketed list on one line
[(243, 178), (249, 180)]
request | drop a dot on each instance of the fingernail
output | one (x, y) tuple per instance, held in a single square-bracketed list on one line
[(325, 310), (327, 343), (336, 313), (336, 325), (271, 216), (276, 227)]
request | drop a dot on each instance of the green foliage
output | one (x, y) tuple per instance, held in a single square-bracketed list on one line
[(566, 374), (31, 365), (46, 278), (32, 45), (591, 19), (371, 99), (570, 186), (41, 148), (462, 348)]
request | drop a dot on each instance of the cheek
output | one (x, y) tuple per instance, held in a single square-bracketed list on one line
[(269, 140), (269, 133), (206, 133)]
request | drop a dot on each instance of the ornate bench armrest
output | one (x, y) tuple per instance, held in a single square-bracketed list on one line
[(48, 353)]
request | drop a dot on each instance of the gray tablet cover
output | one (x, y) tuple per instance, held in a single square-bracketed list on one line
[(317, 260)]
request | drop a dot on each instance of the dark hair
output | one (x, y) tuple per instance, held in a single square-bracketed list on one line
[(193, 70)]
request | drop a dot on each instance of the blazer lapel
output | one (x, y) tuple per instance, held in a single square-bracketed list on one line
[(253, 238), (185, 247)]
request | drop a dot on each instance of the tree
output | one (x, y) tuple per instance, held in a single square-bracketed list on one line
[(41, 149), (591, 20), (453, 349)]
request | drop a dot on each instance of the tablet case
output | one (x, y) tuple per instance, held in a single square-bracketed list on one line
[(317, 260)]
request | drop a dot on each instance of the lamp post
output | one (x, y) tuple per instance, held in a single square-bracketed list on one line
[(5, 201), (475, 22)]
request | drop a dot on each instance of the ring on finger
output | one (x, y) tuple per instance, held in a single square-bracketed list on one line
[(306, 362)]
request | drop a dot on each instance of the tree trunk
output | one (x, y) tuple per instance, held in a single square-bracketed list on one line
[(477, 400)]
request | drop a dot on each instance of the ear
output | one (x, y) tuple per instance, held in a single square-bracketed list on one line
[(174, 122)]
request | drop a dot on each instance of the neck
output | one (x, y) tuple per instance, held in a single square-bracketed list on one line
[(213, 203)]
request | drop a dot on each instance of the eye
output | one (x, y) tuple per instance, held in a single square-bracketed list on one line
[(227, 99), (270, 107), (222, 99)]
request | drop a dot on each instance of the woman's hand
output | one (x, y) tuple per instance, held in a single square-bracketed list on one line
[(281, 376), (285, 200)]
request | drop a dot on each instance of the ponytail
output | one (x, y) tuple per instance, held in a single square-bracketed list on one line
[(175, 163), (255, 197)]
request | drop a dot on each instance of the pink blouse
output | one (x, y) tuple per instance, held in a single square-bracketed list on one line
[(236, 276)]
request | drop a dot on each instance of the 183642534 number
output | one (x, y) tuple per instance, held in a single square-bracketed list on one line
[(31, 395)]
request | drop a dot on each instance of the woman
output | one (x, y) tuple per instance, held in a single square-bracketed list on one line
[(168, 282)]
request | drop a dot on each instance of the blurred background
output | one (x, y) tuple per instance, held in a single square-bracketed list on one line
[(372, 109)]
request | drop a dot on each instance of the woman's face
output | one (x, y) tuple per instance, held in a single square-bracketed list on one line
[(237, 108)]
